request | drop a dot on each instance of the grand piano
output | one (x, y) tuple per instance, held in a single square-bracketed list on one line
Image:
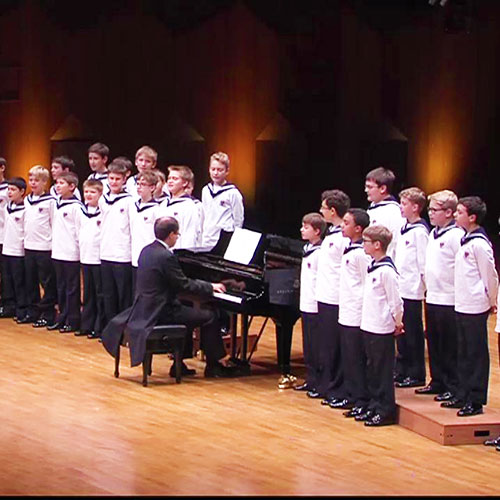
[(267, 285)]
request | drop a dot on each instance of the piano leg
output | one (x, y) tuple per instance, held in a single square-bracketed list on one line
[(241, 362)]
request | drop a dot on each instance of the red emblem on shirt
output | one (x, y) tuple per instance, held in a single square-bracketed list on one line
[(17, 219), (331, 244), (309, 265), (40, 209), (441, 245), (98, 222), (374, 280), (65, 214), (122, 210), (223, 203), (347, 262), (175, 214), (145, 218), (407, 242), (466, 254)]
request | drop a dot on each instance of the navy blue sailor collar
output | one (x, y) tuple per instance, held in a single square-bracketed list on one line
[(390, 200), (437, 232), (353, 245), (181, 199), (117, 197), (141, 206), (413, 225), (14, 207), (333, 230), (42, 197), (477, 233), (310, 248), (384, 261), (60, 202), (85, 210), (225, 187)]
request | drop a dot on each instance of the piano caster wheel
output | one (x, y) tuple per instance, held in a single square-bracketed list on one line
[(287, 381)]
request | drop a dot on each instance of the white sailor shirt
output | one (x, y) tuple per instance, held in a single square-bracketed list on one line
[(76, 193), (222, 210), (65, 229), (4, 199), (382, 302), (185, 211), (99, 176), (353, 268), (329, 259), (39, 212), (89, 234), (308, 273), (442, 248), (476, 278), (142, 221), (13, 243), (411, 250)]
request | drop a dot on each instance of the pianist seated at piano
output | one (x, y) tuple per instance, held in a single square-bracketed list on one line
[(160, 280)]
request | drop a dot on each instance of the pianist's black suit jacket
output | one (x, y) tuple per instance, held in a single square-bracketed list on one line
[(159, 280)]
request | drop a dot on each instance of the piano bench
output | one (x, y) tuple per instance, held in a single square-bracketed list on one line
[(164, 339)]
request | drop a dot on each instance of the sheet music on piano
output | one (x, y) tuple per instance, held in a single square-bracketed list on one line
[(242, 246)]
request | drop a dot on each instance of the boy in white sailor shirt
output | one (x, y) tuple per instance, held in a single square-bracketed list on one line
[(199, 206), (14, 298), (98, 155), (116, 242), (145, 159), (312, 230), (4, 199), (381, 319), (39, 268), (143, 215), (441, 334), (181, 206), (161, 191), (58, 165), (410, 263), (476, 287), (384, 208), (66, 254), (222, 202), (334, 204), (353, 269), (89, 231)]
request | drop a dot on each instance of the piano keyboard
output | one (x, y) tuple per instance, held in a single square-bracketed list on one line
[(228, 297)]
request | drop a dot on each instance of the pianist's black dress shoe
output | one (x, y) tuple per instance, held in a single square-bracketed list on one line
[(54, 326), (353, 412), (40, 323), (410, 382), (94, 335), (378, 420), (218, 370), (25, 320), (67, 329), (428, 389), (302, 387), (185, 371), (313, 393), (453, 403), (444, 396), (343, 404), (366, 415), (492, 442), (469, 410)]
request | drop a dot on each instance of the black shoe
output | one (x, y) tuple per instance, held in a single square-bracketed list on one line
[(25, 320), (410, 382), (366, 415), (492, 442), (353, 412), (6, 313), (329, 401), (82, 333), (444, 396), (469, 410), (313, 393), (428, 389), (398, 377), (302, 387), (40, 323), (218, 370), (453, 403), (185, 371), (54, 326), (94, 335), (343, 404), (68, 329), (378, 421)]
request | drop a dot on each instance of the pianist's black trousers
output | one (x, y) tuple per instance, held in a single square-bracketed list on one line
[(354, 363), (473, 358), (211, 340), (410, 358), (380, 353), (40, 271), (310, 348), (332, 378), (442, 344)]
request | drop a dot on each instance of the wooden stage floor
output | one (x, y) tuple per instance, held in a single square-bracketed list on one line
[(70, 428)]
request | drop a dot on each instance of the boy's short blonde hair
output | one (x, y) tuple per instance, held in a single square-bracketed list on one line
[(379, 233), (185, 172), (93, 184), (40, 173), (445, 199), (414, 195), (149, 176), (147, 151), (221, 158)]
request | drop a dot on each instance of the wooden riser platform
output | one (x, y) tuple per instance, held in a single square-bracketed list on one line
[(425, 416)]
